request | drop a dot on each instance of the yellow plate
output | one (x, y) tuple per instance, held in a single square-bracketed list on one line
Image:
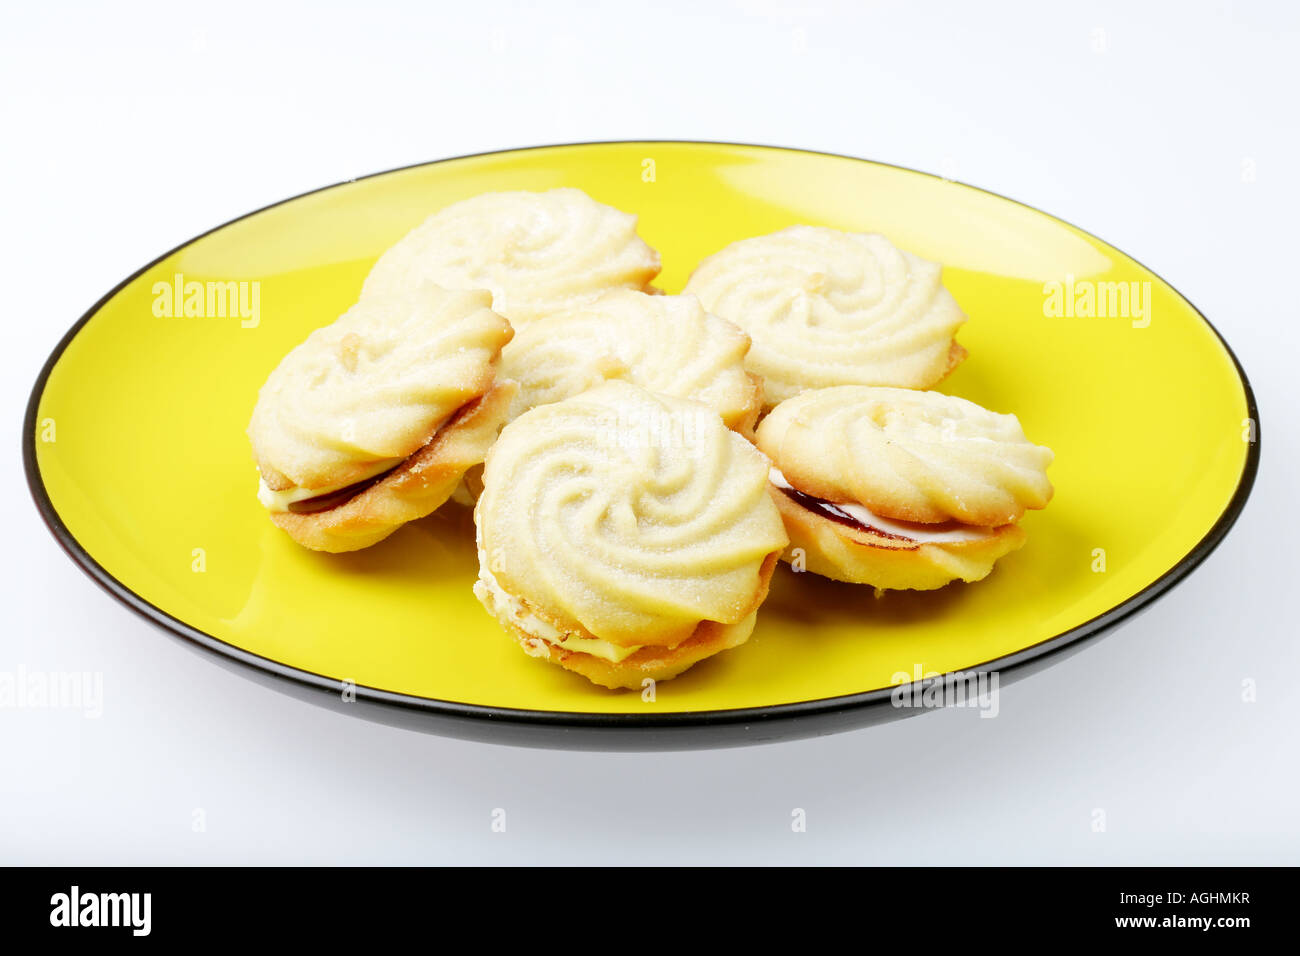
[(137, 457)]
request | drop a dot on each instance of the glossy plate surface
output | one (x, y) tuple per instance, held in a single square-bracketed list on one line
[(138, 458)]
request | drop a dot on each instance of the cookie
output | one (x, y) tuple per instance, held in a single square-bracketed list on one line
[(372, 421), (624, 534), (665, 343), (827, 308), (537, 252), (899, 488)]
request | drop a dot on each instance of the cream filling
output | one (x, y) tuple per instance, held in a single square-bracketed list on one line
[(907, 529), (281, 500), (461, 495), (530, 623)]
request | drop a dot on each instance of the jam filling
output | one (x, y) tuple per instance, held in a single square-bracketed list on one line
[(333, 499), (828, 510)]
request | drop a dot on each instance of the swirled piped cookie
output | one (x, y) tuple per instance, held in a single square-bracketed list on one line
[(827, 308), (666, 343), (625, 535), (537, 252), (373, 420), (899, 488)]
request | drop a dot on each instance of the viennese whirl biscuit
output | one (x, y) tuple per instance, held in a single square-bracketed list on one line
[(537, 252), (625, 535), (666, 343), (372, 421), (827, 308), (899, 488)]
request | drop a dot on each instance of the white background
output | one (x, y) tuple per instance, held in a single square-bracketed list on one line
[(1169, 130)]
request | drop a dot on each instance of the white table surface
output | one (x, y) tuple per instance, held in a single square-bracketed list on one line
[(1169, 130)]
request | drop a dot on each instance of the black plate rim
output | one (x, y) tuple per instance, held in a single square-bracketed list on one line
[(735, 724)]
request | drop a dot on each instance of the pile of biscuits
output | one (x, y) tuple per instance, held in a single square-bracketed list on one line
[(639, 462)]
